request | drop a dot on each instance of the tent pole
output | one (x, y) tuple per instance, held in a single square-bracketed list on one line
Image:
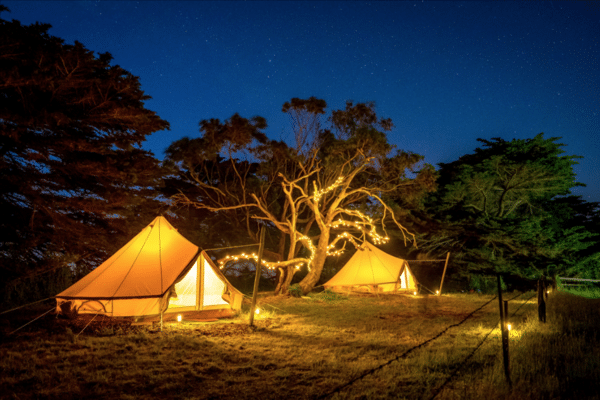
[(161, 321), (257, 277), (444, 274)]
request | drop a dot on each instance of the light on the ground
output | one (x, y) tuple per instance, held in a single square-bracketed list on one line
[(178, 317), (257, 311), (415, 293), (508, 326), (437, 292)]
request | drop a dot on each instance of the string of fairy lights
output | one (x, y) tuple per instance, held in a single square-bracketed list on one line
[(319, 193), (364, 224)]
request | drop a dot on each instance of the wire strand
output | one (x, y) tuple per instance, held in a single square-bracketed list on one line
[(26, 305), (231, 247), (31, 321), (86, 325), (454, 372), (439, 389), (403, 355)]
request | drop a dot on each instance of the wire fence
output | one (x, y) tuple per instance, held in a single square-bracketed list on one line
[(439, 389), (440, 334), (405, 353), (371, 371)]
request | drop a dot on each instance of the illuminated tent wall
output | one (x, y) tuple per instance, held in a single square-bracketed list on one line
[(157, 271), (373, 270)]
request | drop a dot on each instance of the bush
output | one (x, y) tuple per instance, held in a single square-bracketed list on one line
[(295, 290), (330, 295)]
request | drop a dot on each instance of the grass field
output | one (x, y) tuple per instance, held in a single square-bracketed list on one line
[(317, 347)]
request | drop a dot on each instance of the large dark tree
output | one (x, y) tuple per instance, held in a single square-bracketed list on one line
[(505, 208), (74, 181)]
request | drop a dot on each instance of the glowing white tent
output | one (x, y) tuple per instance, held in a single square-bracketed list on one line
[(158, 271), (373, 270)]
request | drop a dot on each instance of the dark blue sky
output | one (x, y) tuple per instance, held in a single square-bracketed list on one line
[(445, 72)]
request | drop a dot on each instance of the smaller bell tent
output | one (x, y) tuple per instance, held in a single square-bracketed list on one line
[(158, 271), (374, 270)]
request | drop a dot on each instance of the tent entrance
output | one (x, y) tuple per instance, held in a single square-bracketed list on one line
[(193, 296), (212, 289), (186, 290)]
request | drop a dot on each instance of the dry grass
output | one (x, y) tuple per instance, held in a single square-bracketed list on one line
[(309, 347)]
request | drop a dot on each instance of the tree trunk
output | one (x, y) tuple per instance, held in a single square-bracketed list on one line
[(280, 280), (310, 280), (285, 279), (289, 276)]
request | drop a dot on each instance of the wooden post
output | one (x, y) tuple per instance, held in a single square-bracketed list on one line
[(506, 322), (541, 301), (504, 335), (257, 277), (444, 273)]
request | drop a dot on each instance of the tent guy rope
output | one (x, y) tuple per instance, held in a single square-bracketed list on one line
[(33, 320), (25, 305)]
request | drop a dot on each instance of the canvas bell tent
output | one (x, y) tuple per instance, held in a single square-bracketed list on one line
[(371, 269), (158, 271)]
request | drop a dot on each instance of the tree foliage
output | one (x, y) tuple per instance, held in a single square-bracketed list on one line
[(337, 183), (506, 208), (72, 170)]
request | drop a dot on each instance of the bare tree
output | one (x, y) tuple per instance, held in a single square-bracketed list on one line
[(332, 188)]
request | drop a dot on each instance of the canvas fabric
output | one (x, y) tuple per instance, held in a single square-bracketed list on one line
[(372, 269), (142, 277)]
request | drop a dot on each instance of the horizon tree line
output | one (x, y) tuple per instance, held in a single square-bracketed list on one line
[(76, 183)]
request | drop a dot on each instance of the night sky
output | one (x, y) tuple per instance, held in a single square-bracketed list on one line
[(447, 73)]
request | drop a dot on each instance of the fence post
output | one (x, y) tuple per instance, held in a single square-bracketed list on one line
[(444, 273), (541, 301), (504, 335), (257, 277)]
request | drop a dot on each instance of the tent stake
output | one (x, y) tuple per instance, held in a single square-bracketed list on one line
[(444, 273), (257, 277)]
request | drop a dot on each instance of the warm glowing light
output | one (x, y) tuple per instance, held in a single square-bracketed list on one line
[(360, 223), (178, 317), (437, 292), (257, 311), (363, 224), (319, 193), (509, 326), (415, 293)]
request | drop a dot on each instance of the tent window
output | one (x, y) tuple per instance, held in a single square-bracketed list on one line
[(213, 287), (186, 290)]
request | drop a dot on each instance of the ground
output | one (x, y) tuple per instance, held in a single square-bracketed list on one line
[(320, 346)]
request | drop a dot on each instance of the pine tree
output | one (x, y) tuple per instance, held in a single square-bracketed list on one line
[(73, 176)]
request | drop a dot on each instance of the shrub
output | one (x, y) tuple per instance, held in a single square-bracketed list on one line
[(330, 295), (295, 290)]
